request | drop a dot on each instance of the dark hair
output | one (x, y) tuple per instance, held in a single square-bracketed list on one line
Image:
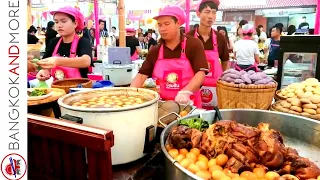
[(196, 26), (43, 29), (183, 29), (140, 34), (243, 22), (223, 28), (238, 30), (277, 28), (218, 28), (279, 25), (304, 17), (260, 26), (114, 28), (50, 25), (291, 29), (174, 19), (209, 4), (32, 29), (269, 32), (100, 21), (258, 31)]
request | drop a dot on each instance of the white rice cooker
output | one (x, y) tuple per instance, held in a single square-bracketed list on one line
[(134, 127), (119, 75)]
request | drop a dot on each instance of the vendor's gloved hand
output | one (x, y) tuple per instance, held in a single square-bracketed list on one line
[(43, 75), (183, 97)]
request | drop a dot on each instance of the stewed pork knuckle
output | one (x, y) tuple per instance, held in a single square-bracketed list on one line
[(247, 147)]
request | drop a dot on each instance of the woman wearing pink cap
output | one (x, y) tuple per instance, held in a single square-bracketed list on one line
[(246, 51), (68, 56), (178, 62), (216, 47)]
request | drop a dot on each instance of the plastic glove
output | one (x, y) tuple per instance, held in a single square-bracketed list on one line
[(43, 75), (183, 97), (48, 63)]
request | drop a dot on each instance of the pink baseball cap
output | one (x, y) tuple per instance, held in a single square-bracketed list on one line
[(174, 11), (217, 2), (73, 12), (130, 30)]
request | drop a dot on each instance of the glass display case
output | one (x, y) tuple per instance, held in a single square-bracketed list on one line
[(299, 59)]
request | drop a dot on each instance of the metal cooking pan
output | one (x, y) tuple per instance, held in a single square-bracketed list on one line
[(300, 133)]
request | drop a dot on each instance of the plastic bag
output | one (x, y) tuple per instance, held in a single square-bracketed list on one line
[(42, 84)]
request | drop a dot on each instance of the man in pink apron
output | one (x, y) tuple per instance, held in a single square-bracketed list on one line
[(68, 56), (219, 50), (176, 76), (246, 50)]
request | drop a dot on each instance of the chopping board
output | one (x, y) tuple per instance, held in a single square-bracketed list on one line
[(57, 93)]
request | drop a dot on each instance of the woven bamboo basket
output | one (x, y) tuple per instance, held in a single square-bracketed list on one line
[(277, 97), (275, 107), (66, 84), (231, 96)]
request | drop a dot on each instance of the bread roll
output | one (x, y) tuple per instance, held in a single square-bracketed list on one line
[(315, 99), (296, 108), (285, 104), (310, 111), (305, 101), (309, 106), (305, 114), (296, 102)]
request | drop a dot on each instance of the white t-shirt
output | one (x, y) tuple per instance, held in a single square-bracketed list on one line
[(245, 51)]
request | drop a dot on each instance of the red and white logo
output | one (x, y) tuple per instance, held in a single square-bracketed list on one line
[(13, 166)]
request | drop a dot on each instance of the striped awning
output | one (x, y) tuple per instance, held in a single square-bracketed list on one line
[(270, 4)]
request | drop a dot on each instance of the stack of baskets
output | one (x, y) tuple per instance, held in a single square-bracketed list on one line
[(232, 95), (66, 84)]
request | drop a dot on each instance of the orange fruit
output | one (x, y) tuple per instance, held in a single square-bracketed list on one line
[(212, 162), (222, 160), (202, 165), (215, 167), (203, 158), (192, 156), (179, 158), (193, 168), (196, 151), (183, 151), (174, 153), (183, 113), (204, 175), (185, 163), (248, 175)]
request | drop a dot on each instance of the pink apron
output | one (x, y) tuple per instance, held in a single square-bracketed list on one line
[(208, 90), (135, 56), (60, 72), (173, 75)]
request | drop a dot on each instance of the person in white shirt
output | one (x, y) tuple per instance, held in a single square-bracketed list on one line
[(246, 51)]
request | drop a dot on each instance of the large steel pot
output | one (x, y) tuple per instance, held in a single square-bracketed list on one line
[(133, 127), (300, 133)]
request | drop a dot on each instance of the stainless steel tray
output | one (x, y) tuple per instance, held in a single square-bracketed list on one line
[(300, 133)]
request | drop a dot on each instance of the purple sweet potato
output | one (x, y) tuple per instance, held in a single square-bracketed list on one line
[(262, 81), (245, 78), (262, 74), (271, 83), (229, 79), (255, 77), (243, 72), (251, 72), (239, 81)]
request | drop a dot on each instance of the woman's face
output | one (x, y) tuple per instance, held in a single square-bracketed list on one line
[(92, 33), (222, 32), (141, 38), (64, 24), (240, 31)]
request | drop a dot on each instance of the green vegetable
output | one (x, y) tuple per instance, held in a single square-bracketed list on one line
[(38, 92), (195, 123)]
